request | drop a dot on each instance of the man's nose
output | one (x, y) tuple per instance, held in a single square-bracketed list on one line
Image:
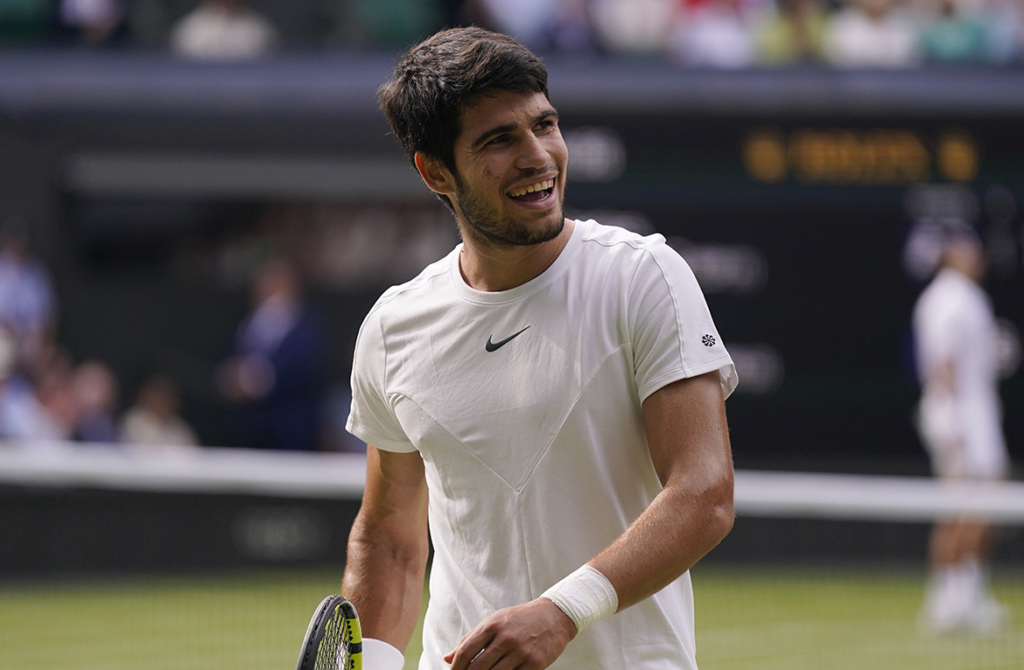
[(533, 154)]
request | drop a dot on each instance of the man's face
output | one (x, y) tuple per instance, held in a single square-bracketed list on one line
[(510, 159)]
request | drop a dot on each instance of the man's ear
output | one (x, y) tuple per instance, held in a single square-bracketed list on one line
[(435, 175)]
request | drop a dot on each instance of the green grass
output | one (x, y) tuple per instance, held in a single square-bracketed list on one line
[(250, 621), (746, 620), (837, 620)]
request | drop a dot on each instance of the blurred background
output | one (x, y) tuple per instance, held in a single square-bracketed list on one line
[(156, 155), (199, 202)]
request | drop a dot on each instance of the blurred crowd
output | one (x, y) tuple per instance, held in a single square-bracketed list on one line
[(700, 33), (44, 394), (270, 384)]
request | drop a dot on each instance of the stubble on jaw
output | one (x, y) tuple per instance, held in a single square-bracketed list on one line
[(474, 221)]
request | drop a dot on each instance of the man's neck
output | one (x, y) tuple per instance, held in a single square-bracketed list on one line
[(488, 267), (968, 273)]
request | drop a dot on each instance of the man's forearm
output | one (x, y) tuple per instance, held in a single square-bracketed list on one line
[(385, 582), (689, 441), (674, 532)]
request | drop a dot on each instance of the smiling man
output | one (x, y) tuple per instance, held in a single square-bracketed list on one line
[(548, 400)]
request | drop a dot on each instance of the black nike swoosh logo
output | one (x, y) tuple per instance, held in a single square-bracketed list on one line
[(494, 346)]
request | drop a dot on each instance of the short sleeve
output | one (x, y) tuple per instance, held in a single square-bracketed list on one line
[(372, 418), (671, 329)]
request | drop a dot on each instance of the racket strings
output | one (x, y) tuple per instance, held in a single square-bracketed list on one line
[(335, 649)]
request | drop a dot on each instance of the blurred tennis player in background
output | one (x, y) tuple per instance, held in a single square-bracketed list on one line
[(550, 396), (960, 421)]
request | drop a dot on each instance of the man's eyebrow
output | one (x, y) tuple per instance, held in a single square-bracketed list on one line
[(491, 132), (548, 113), (509, 127)]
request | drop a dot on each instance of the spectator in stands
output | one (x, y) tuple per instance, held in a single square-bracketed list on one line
[(28, 305), (572, 30), (793, 32), (633, 27), (274, 377), (22, 415), (959, 420), (392, 23), (872, 34), (564, 26), (94, 22), (529, 21), (714, 33), (1004, 30), (51, 381), (953, 34), (95, 394), (223, 30), (154, 422)]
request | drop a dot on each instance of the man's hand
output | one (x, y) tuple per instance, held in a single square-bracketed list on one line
[(529, 636)]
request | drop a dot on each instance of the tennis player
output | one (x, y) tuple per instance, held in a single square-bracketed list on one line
[(959, 419), (550, 396)]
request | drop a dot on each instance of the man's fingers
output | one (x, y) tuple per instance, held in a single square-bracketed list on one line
[(529, 636), (491, 657), (469, 648)]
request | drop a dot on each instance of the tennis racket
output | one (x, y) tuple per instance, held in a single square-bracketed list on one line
[(333, 640)]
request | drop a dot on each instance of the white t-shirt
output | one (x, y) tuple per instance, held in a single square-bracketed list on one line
[(954, 324), (526, 408)]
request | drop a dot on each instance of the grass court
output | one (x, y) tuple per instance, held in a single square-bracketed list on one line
[(747, 619)]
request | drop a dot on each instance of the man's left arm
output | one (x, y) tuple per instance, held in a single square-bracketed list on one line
[(689, 443)]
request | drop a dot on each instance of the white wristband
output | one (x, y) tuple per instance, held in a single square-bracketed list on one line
[(585, 596), (379, 655)]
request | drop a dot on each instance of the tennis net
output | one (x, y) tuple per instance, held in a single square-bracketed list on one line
[(115, 559)]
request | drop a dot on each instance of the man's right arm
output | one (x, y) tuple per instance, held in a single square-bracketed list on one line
[(388, 547)]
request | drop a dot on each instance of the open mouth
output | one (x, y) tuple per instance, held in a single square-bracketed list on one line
[(533, 192)]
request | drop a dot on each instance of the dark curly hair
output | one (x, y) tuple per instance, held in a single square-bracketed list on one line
[(438, 78)]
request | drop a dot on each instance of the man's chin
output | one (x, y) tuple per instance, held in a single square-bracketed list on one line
[(530, 234), (541, 234)]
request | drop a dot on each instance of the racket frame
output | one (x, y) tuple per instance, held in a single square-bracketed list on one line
[(317, 628)]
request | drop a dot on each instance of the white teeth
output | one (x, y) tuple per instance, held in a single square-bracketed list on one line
[(532, 188)]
